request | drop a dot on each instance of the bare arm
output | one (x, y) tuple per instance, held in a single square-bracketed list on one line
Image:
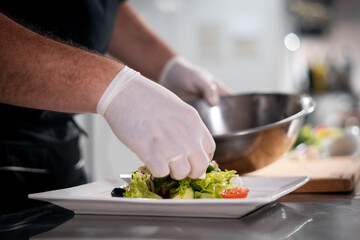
[(38, 72), (135, 44)]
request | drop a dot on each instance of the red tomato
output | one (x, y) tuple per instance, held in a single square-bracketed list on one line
[(235, 193), (322, 130)]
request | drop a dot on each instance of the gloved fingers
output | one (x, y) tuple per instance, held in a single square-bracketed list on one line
[(213, 92), (179, 166), (222, 90), (199, 162), (210, 92), (209, 145), (157, 167)]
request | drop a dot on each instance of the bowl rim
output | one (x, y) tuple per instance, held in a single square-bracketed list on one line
[(307, 102)]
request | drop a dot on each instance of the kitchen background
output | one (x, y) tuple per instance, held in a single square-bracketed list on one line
[(292, 46)]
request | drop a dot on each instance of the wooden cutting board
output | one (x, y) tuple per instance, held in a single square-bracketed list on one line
[(335, 174)]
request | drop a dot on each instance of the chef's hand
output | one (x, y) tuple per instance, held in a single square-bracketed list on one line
[(189, 81), (166, 133)]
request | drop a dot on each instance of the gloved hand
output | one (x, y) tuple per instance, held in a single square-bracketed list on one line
[(189, 81), (166, 133)]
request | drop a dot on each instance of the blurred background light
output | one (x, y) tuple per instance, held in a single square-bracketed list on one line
[(292, 42)]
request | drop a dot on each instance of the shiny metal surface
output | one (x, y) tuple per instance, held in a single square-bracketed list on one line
[(253, 130), (295, 216)]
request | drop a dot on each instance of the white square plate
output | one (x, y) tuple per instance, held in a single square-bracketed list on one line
[(95, 198)]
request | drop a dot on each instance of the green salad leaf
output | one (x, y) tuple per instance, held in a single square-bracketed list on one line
[(182, 189), (139, 187), (213, 184), (167, 184), (210, 187)]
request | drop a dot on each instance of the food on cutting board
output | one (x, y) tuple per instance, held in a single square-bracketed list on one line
[(323, 140), (215, 184), (315, 136)]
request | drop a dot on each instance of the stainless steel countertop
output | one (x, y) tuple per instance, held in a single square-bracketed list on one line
[(295, 216)]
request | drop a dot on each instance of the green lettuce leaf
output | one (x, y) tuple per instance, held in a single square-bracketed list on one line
[(213, 184), (183, 186), (210, 187), (139, 187)]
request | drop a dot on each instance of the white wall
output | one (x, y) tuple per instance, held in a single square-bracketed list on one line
[(239, 41), (105, 155)]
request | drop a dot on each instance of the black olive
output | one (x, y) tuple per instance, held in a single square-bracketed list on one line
[(118, 192)]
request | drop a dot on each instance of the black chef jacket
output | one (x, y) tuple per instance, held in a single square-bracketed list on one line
[(39, 149)]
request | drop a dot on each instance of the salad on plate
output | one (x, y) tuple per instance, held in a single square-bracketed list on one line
[(214, 184)]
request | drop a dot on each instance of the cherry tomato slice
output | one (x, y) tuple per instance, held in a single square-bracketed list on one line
[(235, 193)]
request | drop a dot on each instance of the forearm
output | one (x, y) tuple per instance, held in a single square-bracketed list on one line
[(38, 72), (135, 44)]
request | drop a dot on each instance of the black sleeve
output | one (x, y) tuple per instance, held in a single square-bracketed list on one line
[(88, 23)]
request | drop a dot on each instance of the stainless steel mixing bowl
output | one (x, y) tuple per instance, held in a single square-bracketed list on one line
[(253, 130)]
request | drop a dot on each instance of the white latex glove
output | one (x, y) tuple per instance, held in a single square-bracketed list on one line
[(167, 134), (189, 81)]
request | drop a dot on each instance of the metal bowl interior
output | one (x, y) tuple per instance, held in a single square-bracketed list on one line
[(253, 130)]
